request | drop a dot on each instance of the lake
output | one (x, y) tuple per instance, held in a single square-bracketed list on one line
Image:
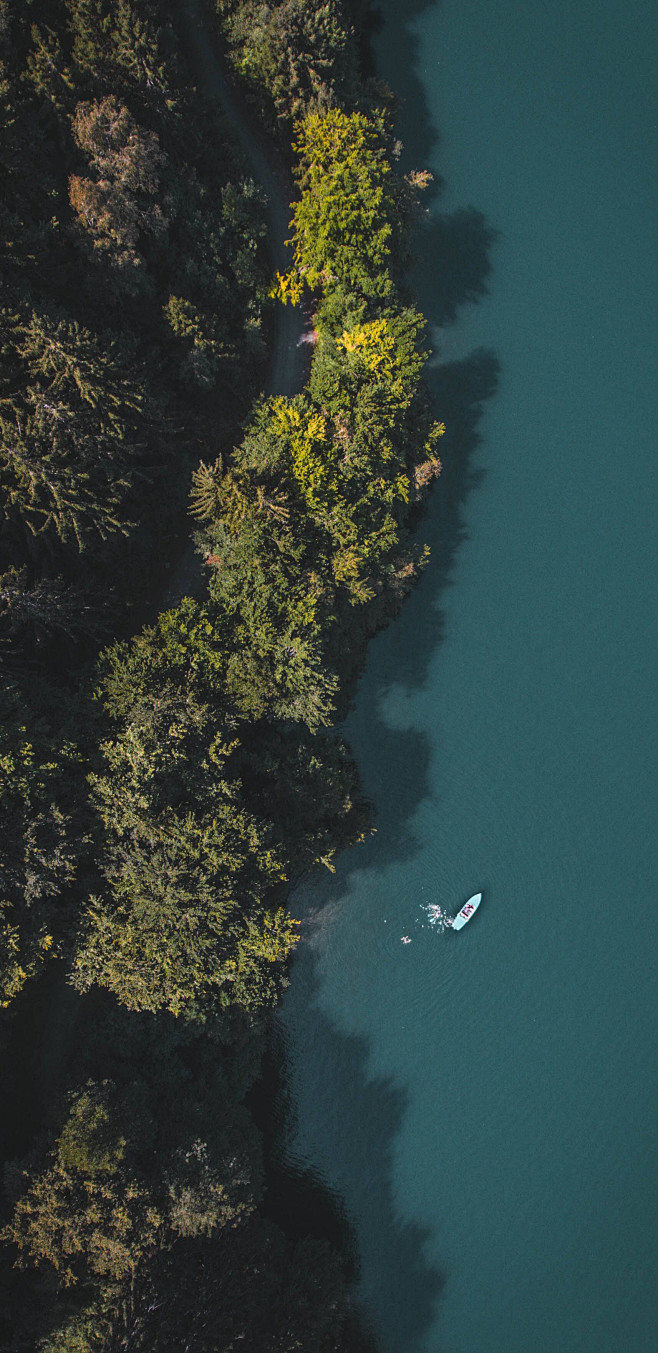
[(484, 1105)]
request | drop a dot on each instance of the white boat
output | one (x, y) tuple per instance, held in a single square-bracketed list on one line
[(469, 909)]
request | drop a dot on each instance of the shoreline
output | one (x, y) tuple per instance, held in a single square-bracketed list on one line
[(380, 323)]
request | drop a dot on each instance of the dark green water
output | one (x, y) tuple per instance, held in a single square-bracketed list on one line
[(485, 1104)]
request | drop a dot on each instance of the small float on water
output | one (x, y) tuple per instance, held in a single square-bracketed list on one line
[(469, 909)]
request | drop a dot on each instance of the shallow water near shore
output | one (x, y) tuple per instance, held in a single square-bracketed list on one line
[(485, 1104)]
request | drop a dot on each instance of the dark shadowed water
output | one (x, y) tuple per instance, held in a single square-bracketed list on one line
[(485, 1103)]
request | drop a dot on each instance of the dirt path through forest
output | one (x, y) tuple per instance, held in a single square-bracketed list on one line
[(288, 359)]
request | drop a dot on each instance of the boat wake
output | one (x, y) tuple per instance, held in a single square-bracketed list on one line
[(437, 916)]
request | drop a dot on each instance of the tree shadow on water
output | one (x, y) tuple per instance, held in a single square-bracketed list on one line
[(454, 247), (397, 43), (395, 755), (459, 246), (452, 269), (350, 1120), (357, 1118), (459, 391)]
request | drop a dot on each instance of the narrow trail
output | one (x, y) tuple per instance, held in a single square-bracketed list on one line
[(288, 359)]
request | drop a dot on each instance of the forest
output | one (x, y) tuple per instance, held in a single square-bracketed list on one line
[(169, 773)]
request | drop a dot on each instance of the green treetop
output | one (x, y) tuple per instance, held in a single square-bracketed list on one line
[(347, 218)]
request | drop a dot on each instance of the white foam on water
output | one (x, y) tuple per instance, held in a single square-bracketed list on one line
[(437, 916)]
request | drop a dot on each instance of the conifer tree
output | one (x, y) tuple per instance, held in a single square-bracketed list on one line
[(43, 838)]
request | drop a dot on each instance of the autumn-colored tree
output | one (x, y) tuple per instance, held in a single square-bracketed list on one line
[(120, 204), (98, 1209)]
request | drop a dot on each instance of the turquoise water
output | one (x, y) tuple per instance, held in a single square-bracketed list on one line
[(485, 1105)]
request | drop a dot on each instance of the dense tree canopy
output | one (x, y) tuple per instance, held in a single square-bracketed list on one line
[(348, 215), (133, 284), (191, 908), (121, 202), (45, 838), (73, 430), (295, 55)]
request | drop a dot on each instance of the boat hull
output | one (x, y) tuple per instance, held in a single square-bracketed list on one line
[(468, 910)]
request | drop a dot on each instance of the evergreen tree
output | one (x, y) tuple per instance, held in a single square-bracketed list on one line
[(44, 838), (123, 43), (347, 222), (297, 53), (31, 612), (70, 440)]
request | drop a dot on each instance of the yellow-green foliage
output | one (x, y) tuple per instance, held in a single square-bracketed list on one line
[(376, 347), (270, 940), (21, 953), (312, 455), (347, 217), (287, 287), (85, 1216), (40, 843), (355, 449), (374, 341)]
